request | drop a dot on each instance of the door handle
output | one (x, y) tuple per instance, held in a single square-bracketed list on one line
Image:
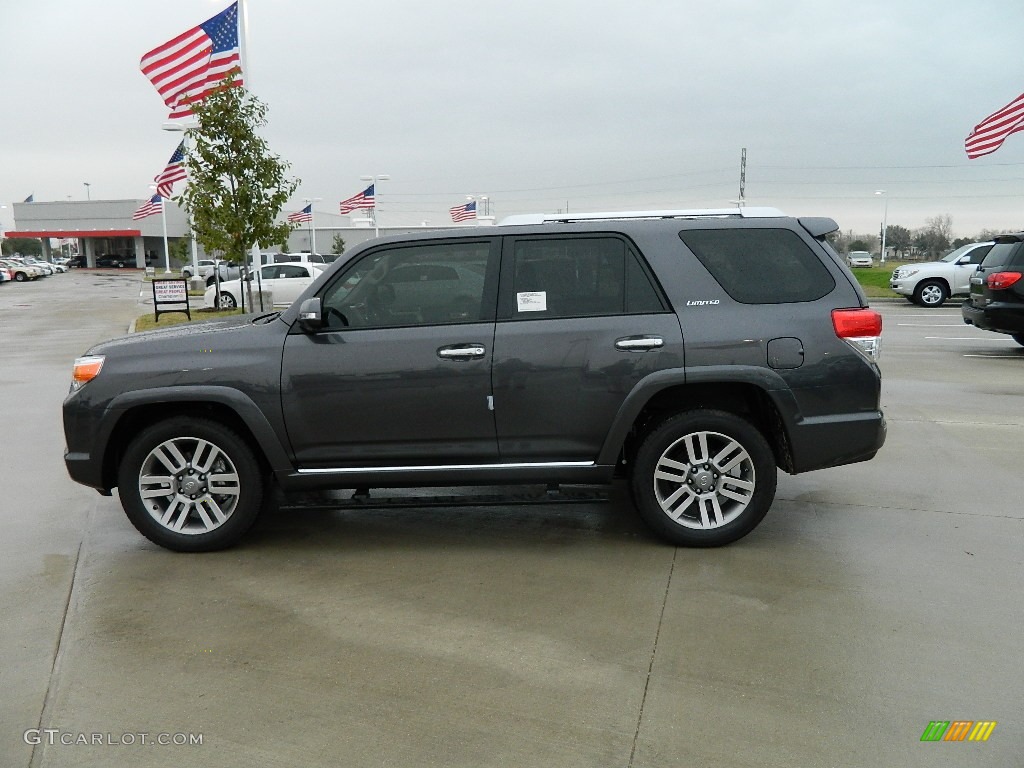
[(639, 343), (462, 352)]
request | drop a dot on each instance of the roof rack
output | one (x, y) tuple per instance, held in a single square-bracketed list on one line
[(698, 213)]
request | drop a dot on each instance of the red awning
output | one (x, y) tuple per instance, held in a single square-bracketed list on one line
[(77, 233)]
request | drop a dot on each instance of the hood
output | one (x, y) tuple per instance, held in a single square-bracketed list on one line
[(239, 324)]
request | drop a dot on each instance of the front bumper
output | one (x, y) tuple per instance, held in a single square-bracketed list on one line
[(904, 286)]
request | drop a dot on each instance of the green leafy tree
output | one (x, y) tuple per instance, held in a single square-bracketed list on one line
[(236, 186), (859, 245), (898, 238), (181, 249), (26, 246), (338, 246)]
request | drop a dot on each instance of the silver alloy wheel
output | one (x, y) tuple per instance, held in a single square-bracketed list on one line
[(932, 294), (189, 485), (704, 480), (227, 301)]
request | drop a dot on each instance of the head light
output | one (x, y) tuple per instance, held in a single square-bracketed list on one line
[(85, 370)]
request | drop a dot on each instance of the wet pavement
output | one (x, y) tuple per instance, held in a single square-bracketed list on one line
[(872, 600)]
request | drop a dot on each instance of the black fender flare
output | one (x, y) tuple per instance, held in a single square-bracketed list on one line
[(765, 379), (268, 441)]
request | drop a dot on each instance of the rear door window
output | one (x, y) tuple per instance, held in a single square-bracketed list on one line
[(576, 277), (761, 266)]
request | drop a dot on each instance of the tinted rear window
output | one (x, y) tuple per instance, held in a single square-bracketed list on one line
[(1003, 255), (760, 266)]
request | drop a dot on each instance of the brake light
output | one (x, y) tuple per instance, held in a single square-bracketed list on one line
[(1000, 281), (86, 369), (861, 328)]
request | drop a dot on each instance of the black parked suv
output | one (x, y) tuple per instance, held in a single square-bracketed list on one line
[(997, 289), (694, 352)]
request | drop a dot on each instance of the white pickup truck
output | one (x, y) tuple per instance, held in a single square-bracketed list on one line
[(228, 270), (931, 283)]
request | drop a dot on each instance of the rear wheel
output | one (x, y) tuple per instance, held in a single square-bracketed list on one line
[(931, 293), (704, 478), (190, 485)]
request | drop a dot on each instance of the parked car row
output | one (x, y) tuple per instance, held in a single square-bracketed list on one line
[(996, 300), (24, 268), (988, 275), (931, 283)]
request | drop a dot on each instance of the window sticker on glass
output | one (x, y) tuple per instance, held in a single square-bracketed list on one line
[(532, 301)]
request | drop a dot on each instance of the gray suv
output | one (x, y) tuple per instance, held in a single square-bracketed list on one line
[(693, 352)]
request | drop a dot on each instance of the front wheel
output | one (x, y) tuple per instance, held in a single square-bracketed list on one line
[(190, 485), (227, 301), (704, 478), (931, 293)]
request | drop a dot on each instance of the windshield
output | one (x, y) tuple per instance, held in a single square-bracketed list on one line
[(952, 256)]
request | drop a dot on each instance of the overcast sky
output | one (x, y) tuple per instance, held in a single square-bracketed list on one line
[(543, 104)]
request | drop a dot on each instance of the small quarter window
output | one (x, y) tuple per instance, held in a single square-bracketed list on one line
[(760, 266)]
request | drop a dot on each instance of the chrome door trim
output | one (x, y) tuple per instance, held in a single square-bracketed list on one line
[(448, 467)]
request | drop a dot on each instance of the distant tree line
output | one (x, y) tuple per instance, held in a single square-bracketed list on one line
[(927, 243)]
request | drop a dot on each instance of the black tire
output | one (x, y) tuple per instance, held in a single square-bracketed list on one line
[(192, 516), (21, 277), (931, 293), (1019, 338), (726, 478), (227, 301)]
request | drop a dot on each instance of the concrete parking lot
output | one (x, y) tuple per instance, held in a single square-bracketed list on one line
[(873, 599)]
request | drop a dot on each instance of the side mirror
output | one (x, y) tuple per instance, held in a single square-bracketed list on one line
[(311, 315)]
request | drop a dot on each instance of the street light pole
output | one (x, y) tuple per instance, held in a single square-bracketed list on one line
[(885, 220), (374, 179), (88, 194)]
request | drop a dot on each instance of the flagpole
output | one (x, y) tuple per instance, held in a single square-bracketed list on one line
[(312, 222), (243, 56), (167, 253), (243, 42)]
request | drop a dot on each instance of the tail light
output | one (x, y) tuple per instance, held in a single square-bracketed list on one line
[(861, 328), (1000, 281)]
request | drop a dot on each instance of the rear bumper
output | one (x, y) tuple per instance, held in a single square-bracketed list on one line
[(831, 441), (998, 317)]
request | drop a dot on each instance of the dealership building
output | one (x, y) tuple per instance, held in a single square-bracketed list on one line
[(106, 228)]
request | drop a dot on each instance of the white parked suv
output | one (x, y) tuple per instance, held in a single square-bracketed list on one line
[(931, 283)]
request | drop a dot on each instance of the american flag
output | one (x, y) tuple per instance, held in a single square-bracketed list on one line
[(175, 171), (155, 204), (306, 214), (990, 133), (191, 66), (463, 212), (363, 200)]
